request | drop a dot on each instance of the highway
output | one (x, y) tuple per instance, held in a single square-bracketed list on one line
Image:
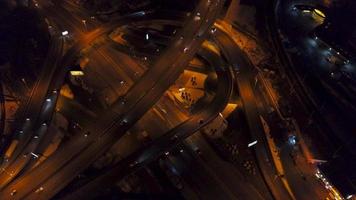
[(167, 141), (37, 112), (231, 181), (244, 79), (143, 88), (34, 113), (298, 172), (152, 152), (113, 119)]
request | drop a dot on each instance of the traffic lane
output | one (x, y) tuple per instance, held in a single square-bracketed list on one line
[(150, 101), (164, 115), (18, 166), (100, 76), (32, 110), (198, 177), (174, 118), (227, 173), (264, 161), (244, 77), (304, 183), (77, 22), (61, 78), (155, 88), (115, 59), (73, 7), (152, 124), (152, 151), (128, 64), (64, 18), (165, 142), (168, 56), (172, 113), (22, 144), (124, 165), (39, 134), (103, 65), (70, 56), (73, 111), (113, 125), (195, 120), (302, 188), (221, 98), (138, 50)]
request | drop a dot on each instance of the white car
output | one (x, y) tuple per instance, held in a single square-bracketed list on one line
[(13, 192), (39, 190)]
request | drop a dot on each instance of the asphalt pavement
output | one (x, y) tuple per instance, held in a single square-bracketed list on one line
[(113, 119)]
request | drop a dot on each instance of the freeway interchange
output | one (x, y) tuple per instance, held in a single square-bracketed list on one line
[(24, 177)]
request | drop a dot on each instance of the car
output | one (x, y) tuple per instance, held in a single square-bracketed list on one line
[(123, 101), (123, 122), (77, 126), (87, 133), (213, 30), (197, 151), (310, 9), (64, 33), (200, 33), (39, 190), (13, 192)]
